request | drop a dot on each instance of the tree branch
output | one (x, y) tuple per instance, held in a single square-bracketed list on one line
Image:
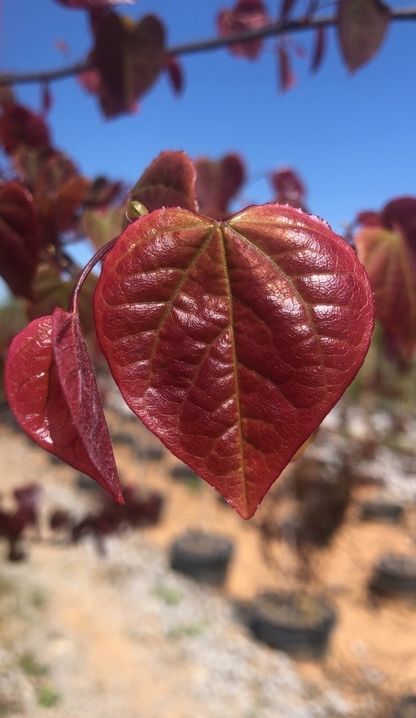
[(216, 43)]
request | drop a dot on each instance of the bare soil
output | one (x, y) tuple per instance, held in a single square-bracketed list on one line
[(124, 636)]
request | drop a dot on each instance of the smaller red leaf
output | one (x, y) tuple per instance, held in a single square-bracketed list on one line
[(46, 99), (318, 49), (168, 182), (19, 239), (217, 183), (136, 59), (51, 389), (286, 9), (245, 16), (286, 77), (289, 188), (362, 26), (174, 70), (400, 214), (20, 126)]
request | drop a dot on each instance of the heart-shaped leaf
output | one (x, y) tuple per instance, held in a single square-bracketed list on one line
[(19, 239), (217, 183), (168, 182), (51, 389), (246, 15), (129, 58), (391, 266), (362, 26), (232, 340)]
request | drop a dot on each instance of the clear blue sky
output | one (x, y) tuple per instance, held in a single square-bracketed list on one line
[(352, 138)]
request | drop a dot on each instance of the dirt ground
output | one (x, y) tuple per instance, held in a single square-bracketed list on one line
[(124, 636)]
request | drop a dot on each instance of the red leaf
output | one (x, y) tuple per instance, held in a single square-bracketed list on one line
[(231, 341), (286, 77), (19, 239), (51, 389), (168, 182), (175, 73), (46, 98), (289, 188), (362, 25), (368, 218), (400, 214), (318, 49), (134, 63), (391, 267), (245, 16), (20, 126), (217, 183)]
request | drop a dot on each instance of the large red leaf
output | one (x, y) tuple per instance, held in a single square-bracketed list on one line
[(129, 58), (391, 267), (168, 182), (246, 15), (232, 340), (362, 26), (51, 389), (19, 238)]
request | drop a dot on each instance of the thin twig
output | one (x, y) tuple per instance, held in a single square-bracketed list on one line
[(216, 43)]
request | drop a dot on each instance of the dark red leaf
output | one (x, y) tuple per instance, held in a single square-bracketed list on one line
[(246, 15), (362, 26), (19, 239), (286, 77), (46, 98), (168, 182), (129, 58), (318, 49), (400, 214), (232, 340), (289, 188), (51, 389), (20, 126), (217, 183), (391, 266), (368, 218), (175, 73)]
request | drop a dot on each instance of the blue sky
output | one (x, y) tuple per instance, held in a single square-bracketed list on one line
[(351, 138)]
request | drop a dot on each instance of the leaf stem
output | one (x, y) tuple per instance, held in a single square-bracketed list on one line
[(98, 256), (216, 43)]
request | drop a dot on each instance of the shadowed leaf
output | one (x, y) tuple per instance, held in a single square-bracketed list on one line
[(20, 126), (217, 183), (391, 266), (174, 70), (129, 58), (19, 239), (400, 214), (286, 77), (319, 47), (232, 340), (51, 389), (362, 25), (168, 182), (289, 188), (246, 15)]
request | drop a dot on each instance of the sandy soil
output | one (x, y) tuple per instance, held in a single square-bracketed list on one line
[(124, 636)]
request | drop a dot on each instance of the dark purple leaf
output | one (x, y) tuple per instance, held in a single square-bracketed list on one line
[(362, 26)]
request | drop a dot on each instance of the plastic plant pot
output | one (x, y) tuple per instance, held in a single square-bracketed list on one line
[(406, 707), (203, 556), (298, 623), (395, 575), (381, 510)]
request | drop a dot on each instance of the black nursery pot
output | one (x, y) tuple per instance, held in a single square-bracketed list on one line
[(395, 575), (203, 556), (381, 510), (406, 708), (298, 623)]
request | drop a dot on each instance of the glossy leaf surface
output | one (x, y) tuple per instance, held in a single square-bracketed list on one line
[(51, 389), (168, 182), (232, 340), (391, 267), (362, 26), (19, 240)]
